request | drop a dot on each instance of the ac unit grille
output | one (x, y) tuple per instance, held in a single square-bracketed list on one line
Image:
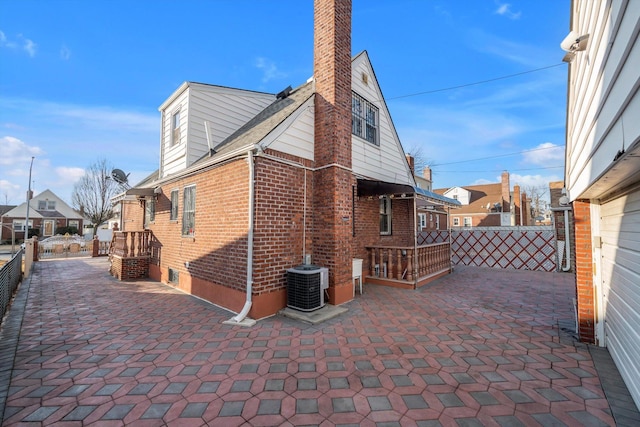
[(305, 287)]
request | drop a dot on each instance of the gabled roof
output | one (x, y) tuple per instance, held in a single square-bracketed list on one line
[(62, 208), (480, 196), (250, 134)]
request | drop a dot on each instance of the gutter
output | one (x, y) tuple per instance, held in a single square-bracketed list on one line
[(241, 318), (567, 236)]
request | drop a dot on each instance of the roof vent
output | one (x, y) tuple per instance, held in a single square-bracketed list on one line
[(284, 93)]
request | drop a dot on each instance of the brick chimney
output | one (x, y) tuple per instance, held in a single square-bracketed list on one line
[(517, 204), (506, 193), (426, 173), (412, 163), (332, 180)]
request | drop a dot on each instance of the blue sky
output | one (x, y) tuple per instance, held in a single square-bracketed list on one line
[(82, 80)]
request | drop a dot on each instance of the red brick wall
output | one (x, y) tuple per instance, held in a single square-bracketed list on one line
[(280, 221), (367, 220), (333, 181), (132, 215), (584, 270)]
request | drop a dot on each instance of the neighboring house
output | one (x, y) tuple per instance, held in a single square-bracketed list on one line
[(602, 175), (47, 212), (430, 218), (488, 205), (251, 184)]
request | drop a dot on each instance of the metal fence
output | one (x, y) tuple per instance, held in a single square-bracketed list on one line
[(10, 275), (64, 247)]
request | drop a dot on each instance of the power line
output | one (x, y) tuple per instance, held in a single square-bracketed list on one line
[(498, 155), (499, 170), (476, 83)]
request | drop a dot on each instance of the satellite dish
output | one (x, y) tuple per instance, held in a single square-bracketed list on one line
[(120, 177)]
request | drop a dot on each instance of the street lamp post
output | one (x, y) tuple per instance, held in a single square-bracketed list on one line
[(26, 233)]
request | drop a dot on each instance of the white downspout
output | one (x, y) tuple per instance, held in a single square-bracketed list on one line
[(567, 238), (247, 305)]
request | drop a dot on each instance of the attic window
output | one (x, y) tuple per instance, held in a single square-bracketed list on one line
[(46, 205), (175, 128), (364, 119)]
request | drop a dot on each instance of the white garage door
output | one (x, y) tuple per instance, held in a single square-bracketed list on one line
[(620, 231)]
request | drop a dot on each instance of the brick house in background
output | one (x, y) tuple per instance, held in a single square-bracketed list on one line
[(602, 176), (488, 205), (251, 184), (47, 213)]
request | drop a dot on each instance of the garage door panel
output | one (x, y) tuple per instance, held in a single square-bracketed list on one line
[(620, 270)]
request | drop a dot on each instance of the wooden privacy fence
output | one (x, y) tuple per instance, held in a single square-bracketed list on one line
[(519, 248)]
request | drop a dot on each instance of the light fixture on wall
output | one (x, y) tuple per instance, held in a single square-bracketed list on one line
[(573, 43)]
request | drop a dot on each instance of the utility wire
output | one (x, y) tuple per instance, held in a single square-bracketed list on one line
[(498, 155), (476, 83), (498, 170)]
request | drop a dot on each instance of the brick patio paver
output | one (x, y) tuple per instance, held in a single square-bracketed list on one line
[(477, 347)]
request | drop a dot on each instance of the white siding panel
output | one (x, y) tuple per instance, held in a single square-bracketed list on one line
[(620, 232), (174, 155), (604, 98), (225, 112), (297, 139), (386, 162)]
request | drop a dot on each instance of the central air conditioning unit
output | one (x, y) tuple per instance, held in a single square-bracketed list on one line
[(305, 287)]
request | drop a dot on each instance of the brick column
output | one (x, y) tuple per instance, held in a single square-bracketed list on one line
[(332, 179), (584, 271)]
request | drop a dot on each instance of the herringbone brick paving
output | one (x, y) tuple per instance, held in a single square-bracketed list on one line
[(478, 347)]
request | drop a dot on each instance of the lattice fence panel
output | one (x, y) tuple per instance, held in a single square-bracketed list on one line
[(522, 248)]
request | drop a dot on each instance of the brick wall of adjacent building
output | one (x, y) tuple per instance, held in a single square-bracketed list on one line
[(584, 271), (333, 180)]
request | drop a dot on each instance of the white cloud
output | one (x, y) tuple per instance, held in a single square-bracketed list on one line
[(504, 9), (65, 53), (269, 69), (30, 47), (546, 154), (15, 151), (66, 138)]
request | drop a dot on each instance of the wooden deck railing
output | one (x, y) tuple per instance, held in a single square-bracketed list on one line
[(131, 244), (403, 266)]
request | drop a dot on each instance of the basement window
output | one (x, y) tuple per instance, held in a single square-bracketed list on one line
[(364, 119)]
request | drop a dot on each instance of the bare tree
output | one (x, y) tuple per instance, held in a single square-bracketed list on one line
[(420, 160), (536, 193), (93, 193)]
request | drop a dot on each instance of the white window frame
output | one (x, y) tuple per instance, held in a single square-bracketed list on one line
[(175, 198), (175, 127), (189, 211), (437, 222), (385, 215), (365, 119), (75, 223), (468, 221), (422, 221), (18, 225), (149, 211), (456, 221)]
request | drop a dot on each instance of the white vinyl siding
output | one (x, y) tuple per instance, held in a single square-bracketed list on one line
[(387, 161), (222, 110), (604, 101), (620, 233), (295, 135)]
